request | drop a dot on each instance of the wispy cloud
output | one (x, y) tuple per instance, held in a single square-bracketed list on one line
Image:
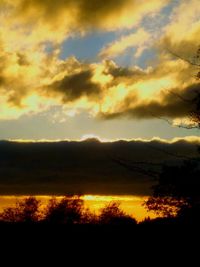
[(138, 40)]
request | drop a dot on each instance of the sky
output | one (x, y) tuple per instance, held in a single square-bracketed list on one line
[(74, 69)]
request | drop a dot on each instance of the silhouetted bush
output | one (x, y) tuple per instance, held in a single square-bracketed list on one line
[(112, 214)]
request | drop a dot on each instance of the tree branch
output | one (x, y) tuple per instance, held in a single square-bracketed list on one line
[(184, 59)]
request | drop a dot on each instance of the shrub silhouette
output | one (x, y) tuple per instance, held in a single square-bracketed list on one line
[(26, 211), (69, 210), (112, 214)]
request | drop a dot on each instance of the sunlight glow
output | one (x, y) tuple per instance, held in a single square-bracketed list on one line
[(152, 88), (93, 136), (132, 205), (189, 138), (114, 97)]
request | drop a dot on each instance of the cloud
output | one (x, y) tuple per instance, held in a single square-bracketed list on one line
[(110, 15), (139, 39), (33, 79), (74, 86), (105, 89), (21, 75), (172, 104), (37, 169), (36, 22), (154, 92), (181, 34)]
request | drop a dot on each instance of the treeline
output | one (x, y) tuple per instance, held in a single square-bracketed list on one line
[(69, 210)]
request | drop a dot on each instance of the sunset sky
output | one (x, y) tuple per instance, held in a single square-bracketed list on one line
[(72, 69)]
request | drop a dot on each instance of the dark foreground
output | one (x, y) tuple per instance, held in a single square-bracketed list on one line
[(159, 231), (99, 245)]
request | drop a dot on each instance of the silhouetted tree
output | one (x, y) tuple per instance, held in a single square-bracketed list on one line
[(177, 192), (26, 210), (112, 214), (68, 210), (194, 114), (89, 217)]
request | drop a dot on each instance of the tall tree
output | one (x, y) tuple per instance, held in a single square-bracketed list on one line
[(177, 192)]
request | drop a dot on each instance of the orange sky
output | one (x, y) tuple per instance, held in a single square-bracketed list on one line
[(132, 205)]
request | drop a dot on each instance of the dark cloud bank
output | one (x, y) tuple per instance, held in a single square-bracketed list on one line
[(82, 167)]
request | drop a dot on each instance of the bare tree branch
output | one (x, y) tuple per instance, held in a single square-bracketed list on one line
[(184, 59), (181, 97), (134, 166), (183, 157)]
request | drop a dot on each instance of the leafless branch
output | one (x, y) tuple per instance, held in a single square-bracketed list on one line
[(184, 59), (175, 155), (181, 97), (134, 166)]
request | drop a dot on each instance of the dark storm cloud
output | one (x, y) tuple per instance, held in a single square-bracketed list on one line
[(88, 167)]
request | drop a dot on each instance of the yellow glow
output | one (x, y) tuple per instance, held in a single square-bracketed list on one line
[(101, 139), (32, 101), (132, 205), (7, 112), (100, 77), (152, 87), (91, 136), (114, 96), (185, 23)]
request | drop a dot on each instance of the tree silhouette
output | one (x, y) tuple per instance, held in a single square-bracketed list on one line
[(177, 192), (26, 211), (69, 210), (194, 114), (89, 217), (112, 214)]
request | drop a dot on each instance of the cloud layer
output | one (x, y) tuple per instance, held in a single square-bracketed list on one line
[(46, 20), (33, 77), (88, 167)]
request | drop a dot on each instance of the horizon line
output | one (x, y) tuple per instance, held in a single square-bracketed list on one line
[(190, 139)]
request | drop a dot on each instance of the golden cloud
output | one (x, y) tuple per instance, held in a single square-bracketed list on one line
[(138, 39), (35, 21), (84, 13), (105, 89), (181, 35), (32, 80)]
